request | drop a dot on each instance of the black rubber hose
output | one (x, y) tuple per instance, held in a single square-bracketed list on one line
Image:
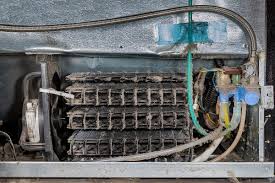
[(238, 19)]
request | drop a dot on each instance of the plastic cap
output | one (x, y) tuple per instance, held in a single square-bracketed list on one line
[(252, 97)]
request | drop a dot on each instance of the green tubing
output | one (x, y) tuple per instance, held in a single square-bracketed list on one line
[(190, 95), (190, 78)]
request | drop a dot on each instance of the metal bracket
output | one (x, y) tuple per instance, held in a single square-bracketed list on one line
[(267, 95), (136, 169)]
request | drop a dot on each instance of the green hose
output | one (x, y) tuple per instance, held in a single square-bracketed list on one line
[(197, 125)]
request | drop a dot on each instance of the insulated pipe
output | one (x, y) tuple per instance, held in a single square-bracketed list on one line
[(238, 19)]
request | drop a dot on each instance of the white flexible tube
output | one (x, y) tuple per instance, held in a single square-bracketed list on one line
[(207, 153), (237, 138), (233, 125)]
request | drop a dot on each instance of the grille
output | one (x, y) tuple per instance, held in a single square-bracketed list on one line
[(118, 143), (119, 114), (128, 118), (134, 94)]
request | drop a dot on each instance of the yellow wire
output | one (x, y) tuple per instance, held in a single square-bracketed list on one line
[(209, 118), (226, 116)]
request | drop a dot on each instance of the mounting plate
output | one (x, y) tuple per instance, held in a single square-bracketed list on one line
[(267, 96)]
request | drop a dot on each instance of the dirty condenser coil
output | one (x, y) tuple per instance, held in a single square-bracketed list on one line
[(118, 114)]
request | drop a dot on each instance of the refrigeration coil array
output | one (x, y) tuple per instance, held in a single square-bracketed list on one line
[(118, 114)]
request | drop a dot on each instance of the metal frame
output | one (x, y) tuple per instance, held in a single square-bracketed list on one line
[(46, 106), (135, 170), (262, 73)]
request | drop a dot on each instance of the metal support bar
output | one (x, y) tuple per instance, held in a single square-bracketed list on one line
[(136, 170), (262, 77), (46, 108)]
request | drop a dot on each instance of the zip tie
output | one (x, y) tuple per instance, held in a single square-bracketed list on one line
[(55, 92)]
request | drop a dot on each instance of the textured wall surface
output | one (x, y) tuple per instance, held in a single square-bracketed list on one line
[(137, 37)]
